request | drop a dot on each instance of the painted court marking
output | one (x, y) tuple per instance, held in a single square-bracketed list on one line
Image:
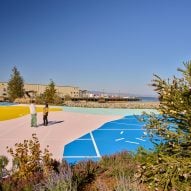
[(119, 139), (126, 124), (119, 129), (132, 142), (95, 146), (122, 139), (127, 118), (140, 139), (81, 156)]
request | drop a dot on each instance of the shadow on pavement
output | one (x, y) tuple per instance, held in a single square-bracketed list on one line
[(51, 123)]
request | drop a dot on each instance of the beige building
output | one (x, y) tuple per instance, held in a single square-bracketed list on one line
[(38, 89), (3, 91)]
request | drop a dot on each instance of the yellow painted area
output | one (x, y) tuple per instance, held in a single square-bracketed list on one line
[(11, 112)]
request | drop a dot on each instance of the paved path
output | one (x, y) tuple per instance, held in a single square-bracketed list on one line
[(63, 128)]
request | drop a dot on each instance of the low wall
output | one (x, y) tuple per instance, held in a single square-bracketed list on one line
[(129, 105)]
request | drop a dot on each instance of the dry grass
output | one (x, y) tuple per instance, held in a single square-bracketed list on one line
[(11, 112)]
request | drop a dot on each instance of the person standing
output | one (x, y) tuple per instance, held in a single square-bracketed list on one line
[(45, 115), (33, 114)]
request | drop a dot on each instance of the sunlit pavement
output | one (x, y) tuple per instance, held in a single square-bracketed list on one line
[(63, 128)]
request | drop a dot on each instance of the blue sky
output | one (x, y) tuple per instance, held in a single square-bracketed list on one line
[(110, 45)]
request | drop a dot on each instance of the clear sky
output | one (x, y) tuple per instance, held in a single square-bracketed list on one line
[(110, 45)]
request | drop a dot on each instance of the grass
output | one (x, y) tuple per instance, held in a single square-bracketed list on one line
[(12, 112)]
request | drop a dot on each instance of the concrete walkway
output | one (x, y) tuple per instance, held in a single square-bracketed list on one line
[(63, 128)]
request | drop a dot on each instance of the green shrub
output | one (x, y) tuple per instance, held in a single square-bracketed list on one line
[(84, 172), (29, 159), (3, 163), (30, 166), (13, 183), (124, 183), (59, 180), (119, 163), (169, 166)]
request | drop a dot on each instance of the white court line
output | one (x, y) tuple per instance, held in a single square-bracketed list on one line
[(116, 140), (123, 119), (119, 129), (81, 157), (132, 142), (129, 118), (140, 139), (95, 146), (127, 124)]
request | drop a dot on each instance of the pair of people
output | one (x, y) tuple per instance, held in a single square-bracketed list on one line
[(34, 114)]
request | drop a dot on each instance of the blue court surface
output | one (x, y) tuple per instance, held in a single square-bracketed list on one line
[(7, 103), (114, 136)]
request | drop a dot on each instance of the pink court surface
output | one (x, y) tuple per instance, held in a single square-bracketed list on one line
[(63, 128)]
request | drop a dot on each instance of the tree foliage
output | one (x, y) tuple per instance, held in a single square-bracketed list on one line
[(50, 95), (30, 166), (3, 163), (50, 92), (169, 166), (28, 159), (15, 85)]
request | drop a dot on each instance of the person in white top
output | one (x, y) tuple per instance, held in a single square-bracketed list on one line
[(33, 114)]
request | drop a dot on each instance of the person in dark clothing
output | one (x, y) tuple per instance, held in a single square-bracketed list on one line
[(45, 115)]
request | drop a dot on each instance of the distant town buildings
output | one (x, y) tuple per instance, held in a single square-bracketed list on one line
[(32, 90), (3, 91)]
